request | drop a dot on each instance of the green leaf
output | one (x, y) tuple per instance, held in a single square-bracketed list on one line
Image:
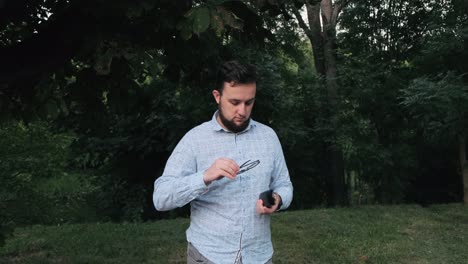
[(185, 30), (186, 34), (201, 20), (230, 18), (217, 23)]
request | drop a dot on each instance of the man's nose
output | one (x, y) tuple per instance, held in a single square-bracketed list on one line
[(242, 109)]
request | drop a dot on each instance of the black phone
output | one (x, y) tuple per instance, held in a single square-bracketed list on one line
[(267, 198)]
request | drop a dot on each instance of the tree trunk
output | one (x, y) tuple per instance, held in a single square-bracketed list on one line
[(463, 166), (321, 31), (315, 38)]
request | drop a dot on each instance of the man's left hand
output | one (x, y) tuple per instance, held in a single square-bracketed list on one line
[(265, 210)]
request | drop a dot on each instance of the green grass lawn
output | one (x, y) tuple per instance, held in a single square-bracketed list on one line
[(371, 234)]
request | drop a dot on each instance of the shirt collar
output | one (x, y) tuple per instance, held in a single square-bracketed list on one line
[(217, 127)]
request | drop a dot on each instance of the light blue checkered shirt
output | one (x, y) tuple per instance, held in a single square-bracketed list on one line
[(223, 223)]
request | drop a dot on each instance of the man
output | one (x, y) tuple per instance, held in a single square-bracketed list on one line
[(221, 167)]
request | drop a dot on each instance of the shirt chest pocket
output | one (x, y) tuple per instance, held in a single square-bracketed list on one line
[(257, 172)]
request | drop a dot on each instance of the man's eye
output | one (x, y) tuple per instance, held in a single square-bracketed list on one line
[(234, 103)]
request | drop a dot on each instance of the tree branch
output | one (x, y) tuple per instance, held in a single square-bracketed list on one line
[(327, 10), (337, 9), (301, 21), (313, 13), (316, 37)]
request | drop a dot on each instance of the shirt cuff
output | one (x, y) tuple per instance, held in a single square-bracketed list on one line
[(280, 200), (198, 184), (285, 198)]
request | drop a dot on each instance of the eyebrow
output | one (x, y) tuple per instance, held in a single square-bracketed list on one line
[(239, 101)]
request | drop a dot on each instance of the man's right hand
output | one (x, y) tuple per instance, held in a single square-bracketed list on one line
[(222, 167)]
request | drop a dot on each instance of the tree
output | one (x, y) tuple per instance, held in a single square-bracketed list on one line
[(437, 97), (321, 31), (377, 40), (384, 46), (132, 81), (439, 106)]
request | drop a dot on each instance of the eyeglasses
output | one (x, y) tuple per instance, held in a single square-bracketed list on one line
[(248, 165)]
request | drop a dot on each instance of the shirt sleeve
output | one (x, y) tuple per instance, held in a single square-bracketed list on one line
[(181, 182), (281, 183)]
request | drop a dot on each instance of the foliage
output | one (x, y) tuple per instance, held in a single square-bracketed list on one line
[(377, 155), (36, 184), (127, 79), (376, 67), (372, 234), (439, 105), (139, 124)]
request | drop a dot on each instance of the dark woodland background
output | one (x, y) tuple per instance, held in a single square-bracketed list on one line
[(369, 99)]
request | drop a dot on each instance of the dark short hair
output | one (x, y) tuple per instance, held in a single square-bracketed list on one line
[(234, 71)]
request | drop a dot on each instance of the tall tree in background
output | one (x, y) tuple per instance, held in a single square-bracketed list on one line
[(385, 45), (440, 106), (321, 30), (377, 40), (438, 98)]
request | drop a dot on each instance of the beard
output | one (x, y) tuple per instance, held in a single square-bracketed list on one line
[(230, 125)]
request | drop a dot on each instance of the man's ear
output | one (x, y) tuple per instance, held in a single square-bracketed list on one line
[(216, 95)]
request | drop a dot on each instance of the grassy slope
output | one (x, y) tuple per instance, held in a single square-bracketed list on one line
[(377, 234)]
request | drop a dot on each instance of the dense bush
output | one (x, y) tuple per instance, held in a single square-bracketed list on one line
[(36, 185)]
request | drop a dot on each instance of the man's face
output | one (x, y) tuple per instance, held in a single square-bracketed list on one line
[(235, 105)]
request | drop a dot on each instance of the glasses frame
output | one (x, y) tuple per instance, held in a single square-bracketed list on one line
[(248, 165)]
